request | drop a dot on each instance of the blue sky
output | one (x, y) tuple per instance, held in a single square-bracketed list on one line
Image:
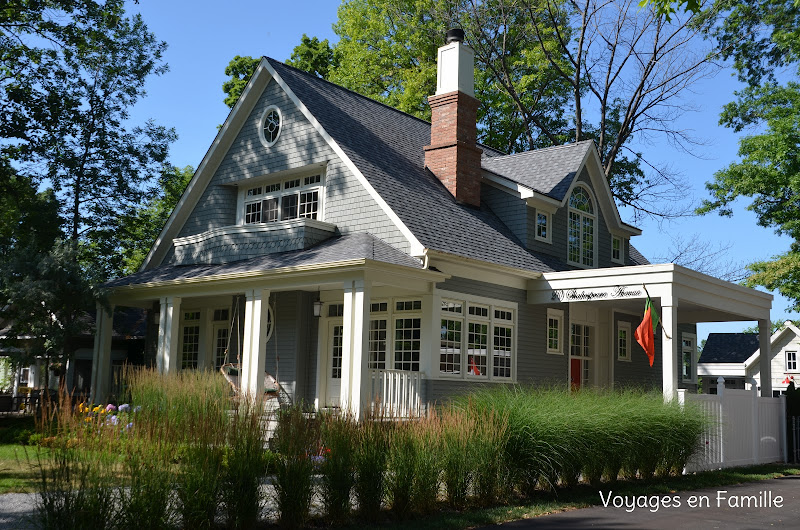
[(204, 36)]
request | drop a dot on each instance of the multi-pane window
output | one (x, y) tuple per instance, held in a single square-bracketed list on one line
[(407, 343), (623, 341), (542, 226), (791, 361), (282, 201), (581, 228), (616, 249), (450, 347), (337, 350), (687, 358), (580, 347), (335, 310), (190, 343), (555, 318), (477, 348), (270, 127), (501, 349), (476, 340), (220, 347), (377, 344)]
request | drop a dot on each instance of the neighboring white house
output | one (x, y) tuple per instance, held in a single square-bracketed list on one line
[(354, 252), (737, 358)]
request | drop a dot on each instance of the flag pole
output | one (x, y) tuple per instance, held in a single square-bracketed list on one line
[(662, 326)]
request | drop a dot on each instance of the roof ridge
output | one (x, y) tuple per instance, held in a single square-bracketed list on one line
[(551, 148), (340, 87), (385, 105)]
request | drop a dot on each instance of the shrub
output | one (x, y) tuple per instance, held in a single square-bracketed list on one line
[(245, 464), (401, 466), (426, 438), (337, 465), (371, 455), (295, 441)]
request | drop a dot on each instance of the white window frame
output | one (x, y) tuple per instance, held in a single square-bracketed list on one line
[(556, 315), (692, 358), (548, 237), (621, 258), (403, 314), (581, 222), (623, 354), (261, 123), (390, 316), (309, 182), (789, 367), (491, 322)]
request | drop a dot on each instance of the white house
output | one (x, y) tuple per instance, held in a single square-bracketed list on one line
[(354, 252), (737, 358)]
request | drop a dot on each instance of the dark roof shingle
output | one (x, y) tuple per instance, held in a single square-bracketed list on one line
[(549, 171), (729, 347), (336, 249), (386, 145)]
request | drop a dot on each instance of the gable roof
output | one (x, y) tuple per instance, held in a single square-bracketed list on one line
[(386, 146), (337, 249), (787, 327), (549, 171), (729, 347)]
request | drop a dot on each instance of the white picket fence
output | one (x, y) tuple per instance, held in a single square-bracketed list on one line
[(745, 428)]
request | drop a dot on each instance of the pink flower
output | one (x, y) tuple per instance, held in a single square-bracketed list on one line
[(110, 407)]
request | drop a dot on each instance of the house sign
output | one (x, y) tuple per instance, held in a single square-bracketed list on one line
[(587, 295)]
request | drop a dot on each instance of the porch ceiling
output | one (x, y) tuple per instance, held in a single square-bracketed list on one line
[(699, 297)]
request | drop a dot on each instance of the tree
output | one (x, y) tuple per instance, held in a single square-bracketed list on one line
[(627, 70), (68, 105), (46, 295), (694, 253), (241, 69), (313, 56), (762, 37), (139, 229)]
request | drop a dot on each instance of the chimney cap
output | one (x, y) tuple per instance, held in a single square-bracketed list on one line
[(454, 35)]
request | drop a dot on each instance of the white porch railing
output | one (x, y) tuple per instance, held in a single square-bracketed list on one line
[(396, 393), (744, 428)]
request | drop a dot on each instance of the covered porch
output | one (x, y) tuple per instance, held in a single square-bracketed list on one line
[(596, 297), (307, 325)]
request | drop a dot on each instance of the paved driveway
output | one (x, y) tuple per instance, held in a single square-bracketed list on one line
[(722, 507)]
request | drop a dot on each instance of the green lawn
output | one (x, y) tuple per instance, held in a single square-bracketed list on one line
[(18, 471)]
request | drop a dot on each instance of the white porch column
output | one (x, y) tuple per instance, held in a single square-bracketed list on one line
[(256, 314), (765, 357), (670, 343), (355, 355), (101, 357), (169, 318)]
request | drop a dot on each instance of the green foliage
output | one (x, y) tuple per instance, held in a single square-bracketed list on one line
[(240, 69), (46, 294), (370, 463), (667, 8), (313, 56), (296, 441), (137, 230), (71, 72), (337, 466), (245, 464)]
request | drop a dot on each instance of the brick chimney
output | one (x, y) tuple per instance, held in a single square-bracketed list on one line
[(453, 155)]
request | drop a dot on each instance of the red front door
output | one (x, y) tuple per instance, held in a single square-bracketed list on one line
[(575, 373)]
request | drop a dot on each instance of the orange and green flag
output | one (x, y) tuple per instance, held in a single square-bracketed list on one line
[(645, 333)]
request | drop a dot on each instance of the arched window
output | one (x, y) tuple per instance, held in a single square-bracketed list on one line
[(581, 230)]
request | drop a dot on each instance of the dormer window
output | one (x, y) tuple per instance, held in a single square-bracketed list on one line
[(581, 229), (282, 201)]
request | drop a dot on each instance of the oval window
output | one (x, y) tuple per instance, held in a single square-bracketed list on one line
[(270, 126)]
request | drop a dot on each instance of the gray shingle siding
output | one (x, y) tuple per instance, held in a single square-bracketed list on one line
[(534, 365), (511, 210), (347, 203), (225, 248)]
